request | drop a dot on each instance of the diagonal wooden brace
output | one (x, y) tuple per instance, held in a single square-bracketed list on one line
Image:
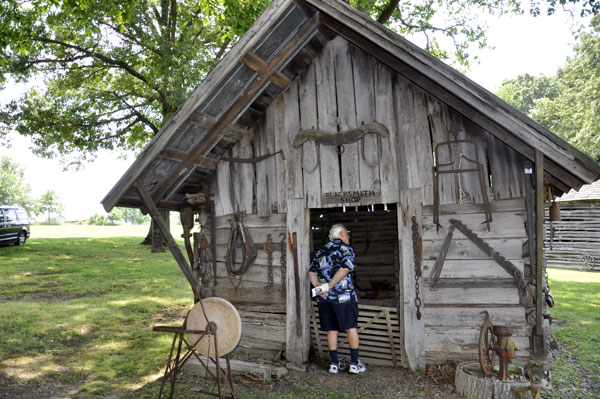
[(171, 244)]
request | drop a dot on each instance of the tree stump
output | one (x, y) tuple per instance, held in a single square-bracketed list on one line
[(470, 382)]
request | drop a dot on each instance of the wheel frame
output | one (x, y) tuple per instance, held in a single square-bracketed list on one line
[(487, 344), (586, 263)]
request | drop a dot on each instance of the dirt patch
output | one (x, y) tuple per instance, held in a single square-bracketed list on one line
[(317, 382)]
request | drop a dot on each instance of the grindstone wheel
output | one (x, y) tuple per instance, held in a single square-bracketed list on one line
[(487, 343), (227, 320)]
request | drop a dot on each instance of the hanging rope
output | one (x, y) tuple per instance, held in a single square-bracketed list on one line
[(248, 248)]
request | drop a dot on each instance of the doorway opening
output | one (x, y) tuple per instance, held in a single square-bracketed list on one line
[(374, 237)]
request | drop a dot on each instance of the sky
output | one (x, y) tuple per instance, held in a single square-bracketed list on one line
[(522, 44)]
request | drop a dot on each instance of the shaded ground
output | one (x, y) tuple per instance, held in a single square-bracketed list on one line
[(316, 382)]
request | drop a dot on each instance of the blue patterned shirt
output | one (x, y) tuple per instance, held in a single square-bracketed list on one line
[(327, 261)]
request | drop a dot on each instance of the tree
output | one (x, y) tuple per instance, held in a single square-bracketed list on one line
[(568, 104), (524, 90), (13, 189), (49, 202), (115, 71), (134, 216)]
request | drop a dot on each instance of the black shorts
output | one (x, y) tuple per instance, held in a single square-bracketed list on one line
[(338, 316)]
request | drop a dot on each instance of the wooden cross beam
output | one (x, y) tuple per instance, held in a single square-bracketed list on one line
[(259, 65), (304, 34), (179, 156)]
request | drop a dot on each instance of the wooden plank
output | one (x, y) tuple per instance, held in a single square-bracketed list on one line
[(444, 317), (439, 119), (298, 332), (460, 209), (384, 113), (281, 144), (245, 177), (245, 295), (346, 110), (263, 207), (274, 221), (269, 148), (505, 225), (259, 65), (327, 118), (223, 198), (293, 164), (364, 86), (178, 155), (462, 248), (539, 243), (504, 296), (468, 268), (410, 203), (308, 153), (206, 121)]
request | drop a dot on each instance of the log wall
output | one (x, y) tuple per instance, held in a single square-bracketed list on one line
[(471, 282), (574, 241)]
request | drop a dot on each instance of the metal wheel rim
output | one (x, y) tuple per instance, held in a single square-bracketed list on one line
[(487, 342)]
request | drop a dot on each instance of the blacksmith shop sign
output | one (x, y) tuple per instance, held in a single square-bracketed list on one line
[(358, 197)]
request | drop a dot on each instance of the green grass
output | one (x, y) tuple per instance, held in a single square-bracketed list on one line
[(576, 327), (80, 311)]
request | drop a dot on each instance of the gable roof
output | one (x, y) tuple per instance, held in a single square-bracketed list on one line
[(587, 193), (274, 52)]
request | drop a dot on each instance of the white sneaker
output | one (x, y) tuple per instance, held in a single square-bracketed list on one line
[(335, 368), (358, 368)]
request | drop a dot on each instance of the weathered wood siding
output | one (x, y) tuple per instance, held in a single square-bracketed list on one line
[(341, 89), (453, 316), (262, 310)]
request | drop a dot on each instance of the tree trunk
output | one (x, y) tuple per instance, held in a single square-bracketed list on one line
[(148, 240)]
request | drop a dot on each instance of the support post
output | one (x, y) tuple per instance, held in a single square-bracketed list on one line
[(539, 241), (171, 244)]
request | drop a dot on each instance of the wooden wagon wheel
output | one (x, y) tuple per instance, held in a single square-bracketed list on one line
[(487, 343)]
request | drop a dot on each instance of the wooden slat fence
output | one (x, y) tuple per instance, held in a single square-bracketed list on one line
[(378, 330)]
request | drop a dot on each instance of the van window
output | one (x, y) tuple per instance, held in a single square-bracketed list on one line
[(11, 216), (1, 216), (22, 215)]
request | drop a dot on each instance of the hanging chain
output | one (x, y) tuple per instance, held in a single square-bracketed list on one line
[(418, 254), (282, 260), (268, 248), (203, 259)]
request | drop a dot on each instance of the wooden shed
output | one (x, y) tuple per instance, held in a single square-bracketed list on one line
[(321, 115), (574, 241)]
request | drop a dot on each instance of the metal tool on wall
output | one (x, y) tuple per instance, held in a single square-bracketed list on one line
[(442, 168)]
